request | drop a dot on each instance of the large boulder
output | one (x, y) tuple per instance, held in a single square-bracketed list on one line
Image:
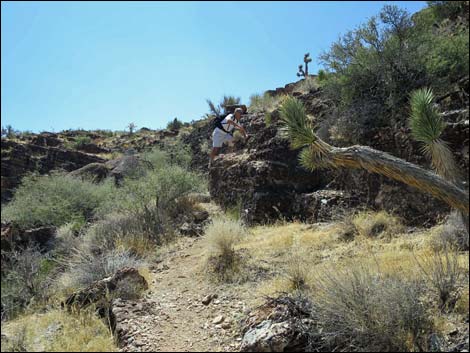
[(125, 166), (279, 325), (93, 171)]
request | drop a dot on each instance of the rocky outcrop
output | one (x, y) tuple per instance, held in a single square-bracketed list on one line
[(13, 237), (92, 148), (263, 179), (46, 139), (122, 284), (19, 159), (263, 176)]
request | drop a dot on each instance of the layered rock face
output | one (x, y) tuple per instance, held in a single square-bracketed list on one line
[(19, 159)]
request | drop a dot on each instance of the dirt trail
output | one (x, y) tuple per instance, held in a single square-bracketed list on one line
[(179, 321)]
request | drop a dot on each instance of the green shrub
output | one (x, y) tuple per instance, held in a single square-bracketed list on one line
[(175, 124), (54, 200), (322, 75), (160, 158), (373, 69), (81, 141), (151, 200), (222, 106)]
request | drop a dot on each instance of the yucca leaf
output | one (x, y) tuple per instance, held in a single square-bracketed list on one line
[(427, 126), (425, 122), (296, 123)]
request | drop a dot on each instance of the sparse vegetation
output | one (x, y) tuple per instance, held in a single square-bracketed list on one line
[(307, 85), (87, 265)]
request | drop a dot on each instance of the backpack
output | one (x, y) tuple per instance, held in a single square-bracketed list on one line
[(217, 122)]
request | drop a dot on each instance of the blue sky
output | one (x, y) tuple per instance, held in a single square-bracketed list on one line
[(102, 65)]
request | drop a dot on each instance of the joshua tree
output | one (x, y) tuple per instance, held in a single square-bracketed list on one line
[(226, 101), (304, 72), (131, 128), (427, 126), (316, 153)]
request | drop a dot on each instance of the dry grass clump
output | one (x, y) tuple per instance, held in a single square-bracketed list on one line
[(377, 224), (308, 84), (297, 272), (361, 310), (84, 267), (223, 262), (445, 273), (451, 234), (263, 103), (58, 331)]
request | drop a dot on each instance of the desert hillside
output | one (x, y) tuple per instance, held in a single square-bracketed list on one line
[(340, 223)]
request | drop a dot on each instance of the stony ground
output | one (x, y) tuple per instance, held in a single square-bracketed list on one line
[(175, 319), (175, 315)]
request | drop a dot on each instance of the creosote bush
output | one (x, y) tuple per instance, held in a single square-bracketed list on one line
[(150, 201), (54, 199)]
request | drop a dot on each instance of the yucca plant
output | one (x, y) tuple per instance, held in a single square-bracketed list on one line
[(318, 154), (426, 127)]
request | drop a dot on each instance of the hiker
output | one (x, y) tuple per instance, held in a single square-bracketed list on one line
[(223, 132)]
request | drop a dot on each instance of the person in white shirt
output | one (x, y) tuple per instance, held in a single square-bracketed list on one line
[(225, 135)]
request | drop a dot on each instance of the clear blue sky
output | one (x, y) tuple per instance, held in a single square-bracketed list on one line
[(104, 64)]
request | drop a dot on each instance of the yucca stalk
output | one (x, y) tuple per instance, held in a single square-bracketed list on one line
[(318, 154), (426, 127)]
